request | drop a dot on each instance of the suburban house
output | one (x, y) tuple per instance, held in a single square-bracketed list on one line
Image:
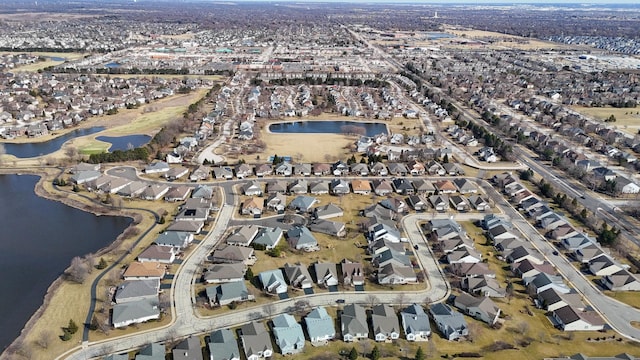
[(570, 319), (396, 205), (177, 193), (300, 238), (228, 292), (445, 186), (158, 253), (385, 323), (339, 187), (268, 237), (203, 172), (223, 172), (528, 269), (252, 188), (135, 312), (179, 240), (277, 186), (465, 270), (542, 282), (277, 202), (153, 351), (321, 169), (243, 170), (354, 323), (402, 186), (417, 203), (319, 187), (243, 235), (263, 170), (521, 253), (233, 254), (450, 323), (379, 169), (273, 281), (298, 276), (422, 186), (154, 192), (352, 273), (144, 270), (362, 187), (302, 169), (256, 341), (464, 255), (360, 169), (299, 186), (552, 299), (459, 202), (288, 334), (603, 265), (320, 326), (253, 206), (327, 211), (221, 273), (189, 226), (188, 349), (392, 274), (465, 186), (223, 345), (622, 280), (157, 167), (415, 323), (439, 202), (333, 228), (481, 308), (383, 231), (135, 290), (483, 286), (326, 274), (302, 203), (133, 189), (588, 253), (382, 187), (176, 173), (202, 192)]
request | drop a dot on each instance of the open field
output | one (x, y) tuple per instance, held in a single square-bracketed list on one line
[(320, 147), (168, 76), (627, 119)]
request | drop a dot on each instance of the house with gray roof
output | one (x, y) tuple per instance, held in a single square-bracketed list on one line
[(333, 228), (354, 323), (393, 274), (202, 191), (326, 274), (154, 351), (300, 238), (402, 186), (319, 187), (339, 187), (465, 186), (384, 320), (233, 254), (415, 323), (158, 253), (577, 242), (135, 290), (221, 273), (223, 172), (479, 203), (320, 326), (243, 235), (277, 202), (542, 282), (302, 203), (188, 349), (135, 312), (176, 173), (191, 226), (273, 281), (157, 167), (85, 176), (483, 285), (390, 256), (384, 231), (223, 345), (520, 253), (603, 265), (154, 192), (192, 214), (177, 193), (552, 299), (243, 170), (382, 187), (379, 169), (622, 280), (228, 292), (133, 189), (203, 172), (298, 275), (327, 211), (268, 237), (117, 357), (302, 169), (256, 341), (450, 323), (288, 334), (481, 308), (439, 202), (298, 186), (176, 239), (252, 188), (277, 186)]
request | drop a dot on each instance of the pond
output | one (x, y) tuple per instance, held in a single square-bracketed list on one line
[(330, 127), (125, 142), (438, 35), (27, 150), (39, 239), (112, 65)]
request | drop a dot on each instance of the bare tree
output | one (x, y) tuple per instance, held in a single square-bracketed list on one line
[(401, 299), (474, 331), (522, 327), (431, 349), (372, 300), (44, 339), (90, 260), (71, 152), (78, 271), (269, 309)]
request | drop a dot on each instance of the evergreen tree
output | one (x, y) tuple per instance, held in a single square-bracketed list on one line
[(72, 327), (375, 353), (419, 354), (353, 354), (249, 274), (102, 264)]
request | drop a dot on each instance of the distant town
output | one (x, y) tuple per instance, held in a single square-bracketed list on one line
[(331, 180)]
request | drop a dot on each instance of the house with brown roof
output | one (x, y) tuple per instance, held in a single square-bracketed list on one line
[(178, 193), (321, 169), (352, 273), (622, 280), (154, 192), (382, 187), (466, 270), (362, 187), (570, 319), (481, 308), (253, 206), (145, 270), (158, 253), (233, 254), (445, 186)]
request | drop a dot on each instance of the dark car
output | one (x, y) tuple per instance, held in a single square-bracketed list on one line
[(415, 247), (340, 301), (555, 252)]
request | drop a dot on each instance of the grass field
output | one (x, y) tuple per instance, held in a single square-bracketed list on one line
[(43, 64), (627, 119)]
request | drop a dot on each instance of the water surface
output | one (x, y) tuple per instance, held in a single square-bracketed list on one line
[(27, 150), (125, 142), (39, 238), (330, 127)]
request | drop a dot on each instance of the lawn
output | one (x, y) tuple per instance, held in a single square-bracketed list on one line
[(38, 65), (628, 297), (627, 119)]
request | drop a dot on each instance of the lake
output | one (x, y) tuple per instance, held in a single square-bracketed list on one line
[(27, 150), (330, 127), (39, 239), (125, 142)]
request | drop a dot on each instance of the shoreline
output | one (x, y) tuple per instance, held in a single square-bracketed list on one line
[(40, 191), (302, 120)]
